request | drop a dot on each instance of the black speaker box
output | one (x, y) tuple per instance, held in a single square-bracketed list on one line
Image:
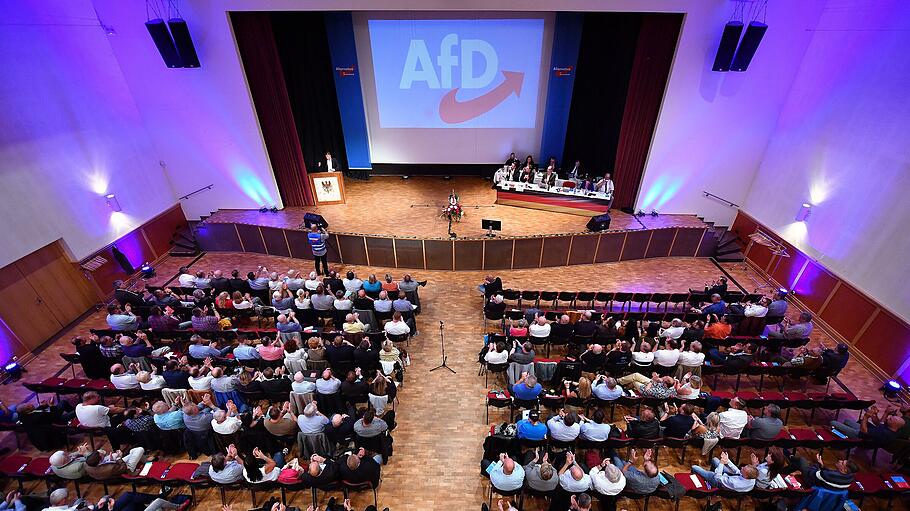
[(748, 46), (162, 38), (599, 223), (183, 42), (727, 48), (310, 219)]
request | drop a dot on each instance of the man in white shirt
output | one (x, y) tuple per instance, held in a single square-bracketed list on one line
[(123, 379), (564, 427), (595, 429), (692, 357), (759, 310), (225, 423), (57, 500), (675, 330), (607, 479), (667, 356), (397, 325), (540, 328), (185, 278), (93, 415), (733, 420)]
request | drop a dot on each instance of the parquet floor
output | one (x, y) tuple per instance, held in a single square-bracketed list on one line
[(441, 417), (406, 213)]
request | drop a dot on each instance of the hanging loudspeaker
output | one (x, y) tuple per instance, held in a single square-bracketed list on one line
[(727, 48), (747, 47), (158, 30), (183, 42)]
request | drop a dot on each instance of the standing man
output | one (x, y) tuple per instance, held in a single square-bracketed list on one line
[(330, 164), (317, 237)]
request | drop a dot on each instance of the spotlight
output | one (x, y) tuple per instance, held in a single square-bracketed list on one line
[(148, 271), (112, 202), (653, 212), (274, 209), (890, 389), (263, 209), (12, 369), (804, 211)]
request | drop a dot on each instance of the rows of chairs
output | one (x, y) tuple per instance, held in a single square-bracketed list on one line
[(811, 401), (24, 469), (605, 300), (867, 485)]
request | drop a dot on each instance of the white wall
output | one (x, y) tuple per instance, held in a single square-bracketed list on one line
[(713, 127), (69, 133), (842, 143)]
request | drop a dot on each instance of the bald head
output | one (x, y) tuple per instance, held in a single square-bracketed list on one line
[(577, 472), (315, 469)]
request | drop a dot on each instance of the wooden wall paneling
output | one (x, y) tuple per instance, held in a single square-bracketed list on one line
[(661, 240), (497, 254), (58, 282), (527, 253), (410, 253), (686, 242), (760, 256), (468, 255), (438, 254), (23, 310), (136, 249), (584, 248), (333, 252), (160, 229), (555, 251), (847, 311), (275, 243), (382, 252), (814, 286), (251, 237), (610, 247), (298, 244), (218, 237), (636, 243), (352, 248), (789, 268), (886, 342)]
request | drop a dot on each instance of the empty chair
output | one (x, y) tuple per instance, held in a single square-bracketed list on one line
[(640, 298), (621, 299), (585, 298), (567, 298), (548, 298), (530, 298), (602, 297)]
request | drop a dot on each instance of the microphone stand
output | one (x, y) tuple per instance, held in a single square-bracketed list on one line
[(442, 340)]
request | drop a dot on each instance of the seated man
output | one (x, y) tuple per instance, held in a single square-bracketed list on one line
[(724, 474), (225, 468), (301, 385), (311, 421), (607, 479), (353, 325), (644, 426), (835, 479), (526, 388), (369, 425), (606, 388), (595, 428), (522, 353), (572, 478), (505, 474), (881, 430), (70, 466), (564, 427), (321, 472), (288, 323), (644, 481), (800, 330), (733, 420), (102, 467), (123, 378), (717, 306), (168, 417), (397, 326), (359, 468), (531, 428), (677, 425), (539, 473), (121, 320), (245, 350), (766, 427), (280, 420), (659, 387), (594, 358)]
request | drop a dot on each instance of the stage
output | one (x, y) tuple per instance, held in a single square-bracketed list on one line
[(390, 221)]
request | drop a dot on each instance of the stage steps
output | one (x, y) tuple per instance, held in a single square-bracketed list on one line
[(183, 242), (729, 249)]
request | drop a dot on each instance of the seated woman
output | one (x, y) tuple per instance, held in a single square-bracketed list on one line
[(302, 302), (379, 392), (519, 328), (294, 357), (580, 390), (315, 349), (689, 387), (391, 357), (259, 467), (223, 301)]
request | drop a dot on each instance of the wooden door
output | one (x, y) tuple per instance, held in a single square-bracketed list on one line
[(59, 283), (24, 311)]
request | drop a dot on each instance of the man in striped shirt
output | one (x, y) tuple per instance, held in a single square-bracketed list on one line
[(317, 237)]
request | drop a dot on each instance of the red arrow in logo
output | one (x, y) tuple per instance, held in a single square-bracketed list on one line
[(452, 111)]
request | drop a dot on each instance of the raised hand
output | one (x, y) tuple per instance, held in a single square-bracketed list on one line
[(753, 458)]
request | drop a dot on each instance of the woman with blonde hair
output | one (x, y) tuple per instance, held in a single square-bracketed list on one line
[(315, 350), (223, 301)]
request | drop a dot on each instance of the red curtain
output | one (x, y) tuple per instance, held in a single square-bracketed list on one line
[(650, 71), (262, 66)]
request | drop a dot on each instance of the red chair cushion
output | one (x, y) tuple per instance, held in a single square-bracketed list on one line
[(872, 483), (10, 465), (181, 472), (38, 467), (53, 382), (685, 479)]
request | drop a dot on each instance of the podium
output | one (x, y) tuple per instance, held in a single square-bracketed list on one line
[(328, 187)]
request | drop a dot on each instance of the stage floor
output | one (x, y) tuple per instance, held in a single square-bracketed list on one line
[(392, 206)]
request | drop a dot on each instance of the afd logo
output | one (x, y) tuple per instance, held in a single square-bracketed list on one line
[(418, 67), (473, 73)]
